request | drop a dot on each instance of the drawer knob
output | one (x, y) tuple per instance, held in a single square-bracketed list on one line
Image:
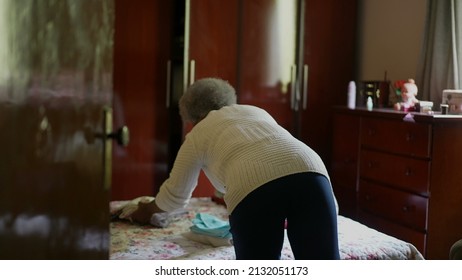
[(408, 208), (408, 172), (348, 161), (409, 137), (371, 164)]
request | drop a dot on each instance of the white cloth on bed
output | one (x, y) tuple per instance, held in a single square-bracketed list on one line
[(160, 220)]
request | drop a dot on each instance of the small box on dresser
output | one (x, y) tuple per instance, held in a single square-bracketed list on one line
[(400, 174)]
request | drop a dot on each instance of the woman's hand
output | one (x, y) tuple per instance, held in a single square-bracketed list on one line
[(142, 215)]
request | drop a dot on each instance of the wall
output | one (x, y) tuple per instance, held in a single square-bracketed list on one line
[(390, 38)]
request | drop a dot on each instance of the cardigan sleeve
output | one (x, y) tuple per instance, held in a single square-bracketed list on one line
[(176, 191)]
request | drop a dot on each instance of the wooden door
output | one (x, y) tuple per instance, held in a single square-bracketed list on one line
[(212, 40), (329, 43), (268, 57), (142, 51), (211, 43), (55, 80)]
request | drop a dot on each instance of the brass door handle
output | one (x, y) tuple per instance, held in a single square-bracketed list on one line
[(121, 136)]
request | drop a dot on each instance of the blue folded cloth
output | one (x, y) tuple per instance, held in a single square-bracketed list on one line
[(210, 225)]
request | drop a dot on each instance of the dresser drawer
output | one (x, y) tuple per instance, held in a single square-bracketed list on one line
[(395, 136), (346, 198), (416, 238), (345, 143), (404, 172), (400, 207)]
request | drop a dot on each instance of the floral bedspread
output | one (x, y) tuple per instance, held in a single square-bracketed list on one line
[(130, 241)]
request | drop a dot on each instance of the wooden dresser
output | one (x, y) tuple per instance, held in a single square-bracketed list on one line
[(400, 174)]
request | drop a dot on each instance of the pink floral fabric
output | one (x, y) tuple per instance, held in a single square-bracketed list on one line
[(129, 241)]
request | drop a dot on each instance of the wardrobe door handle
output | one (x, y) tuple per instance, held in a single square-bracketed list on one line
[(169, 77), (192, 71), (305, 86), (186, 61), (293, 77)]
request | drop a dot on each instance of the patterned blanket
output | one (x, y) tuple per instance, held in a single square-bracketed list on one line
[(129, 241)]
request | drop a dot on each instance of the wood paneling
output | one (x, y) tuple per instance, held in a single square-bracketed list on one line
[(329, 52), (142, 48), (267, 51), (213, 38)]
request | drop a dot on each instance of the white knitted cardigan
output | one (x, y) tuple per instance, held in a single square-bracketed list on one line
[(240, 148)]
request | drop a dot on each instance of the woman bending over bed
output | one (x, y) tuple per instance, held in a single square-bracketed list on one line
[(267, 177)]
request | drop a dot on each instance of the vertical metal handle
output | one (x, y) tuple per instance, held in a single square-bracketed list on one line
[(293, 77), (187, 19), (305, 86), (107, 147), (169, 84), (192, 71), (122, 136)]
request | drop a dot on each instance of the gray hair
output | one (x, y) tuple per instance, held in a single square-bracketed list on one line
[(203, 96)]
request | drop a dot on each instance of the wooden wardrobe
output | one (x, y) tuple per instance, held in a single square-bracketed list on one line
[(293, 58)]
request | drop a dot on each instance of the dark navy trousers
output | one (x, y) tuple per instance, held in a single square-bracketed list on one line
[(305, 200)]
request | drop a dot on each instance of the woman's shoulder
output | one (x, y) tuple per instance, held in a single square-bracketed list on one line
[(234, 113), (247, 108)]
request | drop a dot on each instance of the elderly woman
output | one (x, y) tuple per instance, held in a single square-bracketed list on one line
[(267, 176)]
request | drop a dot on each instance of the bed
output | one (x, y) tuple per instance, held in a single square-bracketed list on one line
[(131, 241)]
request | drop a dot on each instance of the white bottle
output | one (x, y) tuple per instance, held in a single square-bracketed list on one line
[(369, 104), (351, 95)]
